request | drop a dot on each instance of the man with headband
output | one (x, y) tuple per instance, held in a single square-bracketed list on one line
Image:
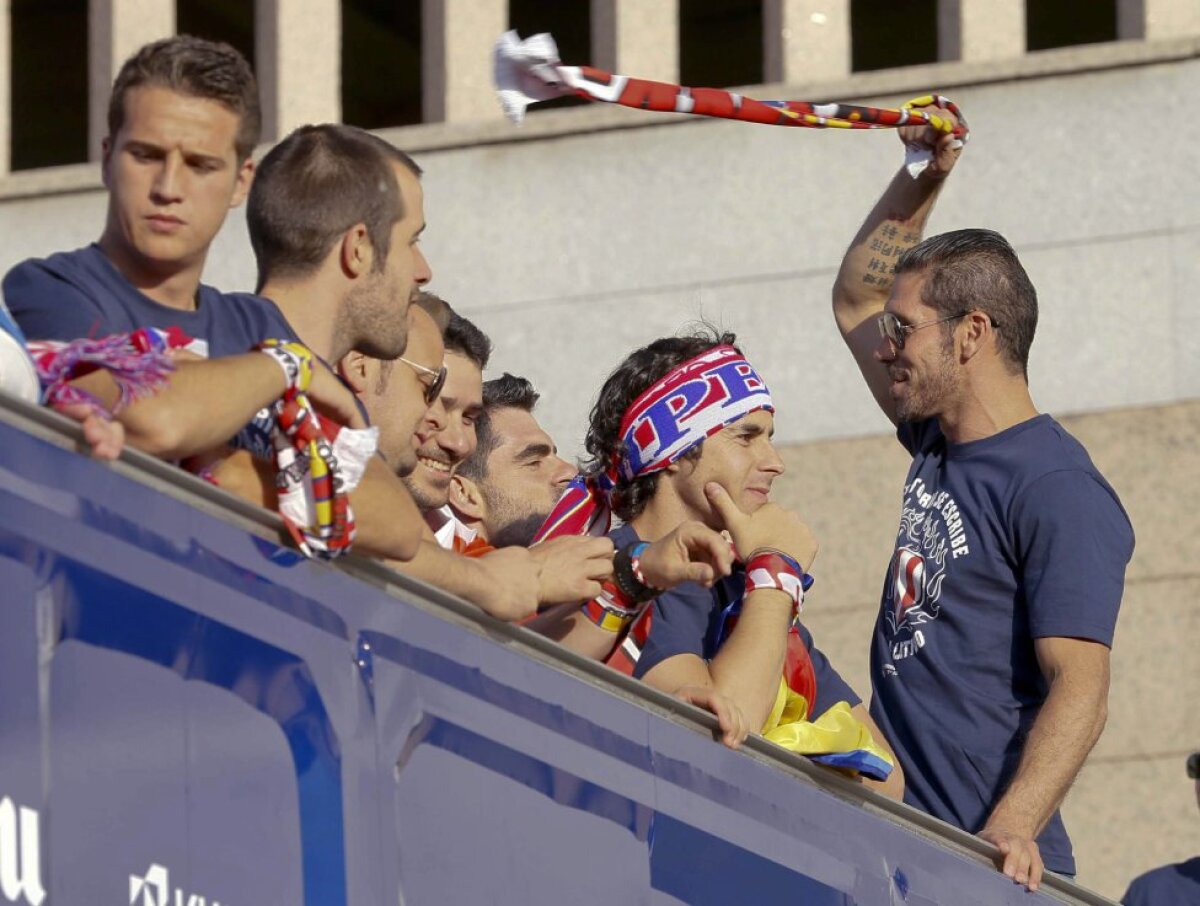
[(681, 434)]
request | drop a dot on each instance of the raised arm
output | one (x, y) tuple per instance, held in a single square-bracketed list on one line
[(895, 224)]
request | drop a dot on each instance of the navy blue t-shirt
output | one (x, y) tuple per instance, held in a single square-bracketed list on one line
[(1171, 885), (1001, 541), (82, 294), (72, 295), (687, 620)]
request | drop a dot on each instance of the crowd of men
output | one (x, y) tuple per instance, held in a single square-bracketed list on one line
[(991, 652)]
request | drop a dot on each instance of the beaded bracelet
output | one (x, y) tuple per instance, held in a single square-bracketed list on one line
[(769, 568), (295, 359)]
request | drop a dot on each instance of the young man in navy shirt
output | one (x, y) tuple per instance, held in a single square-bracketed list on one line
[(680, 440), (183, 121), (990, 659)]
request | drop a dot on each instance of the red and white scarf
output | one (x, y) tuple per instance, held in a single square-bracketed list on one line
[(528, 71)]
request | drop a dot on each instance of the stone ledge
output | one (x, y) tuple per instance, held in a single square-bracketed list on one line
[(903, 81)]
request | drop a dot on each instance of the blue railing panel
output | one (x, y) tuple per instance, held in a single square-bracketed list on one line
[(188, 709)]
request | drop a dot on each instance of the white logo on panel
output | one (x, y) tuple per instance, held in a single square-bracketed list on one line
[(20, 855), (154, 889)]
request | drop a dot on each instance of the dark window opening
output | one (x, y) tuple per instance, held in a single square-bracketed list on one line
[(720, 43), (381, 63), (231, 21), (49, 83), (569, 21), (889, 33), (1062, 23)]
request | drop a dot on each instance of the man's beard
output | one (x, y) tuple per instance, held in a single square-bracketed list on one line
[(511, 523), (518, 533), (927, 396)]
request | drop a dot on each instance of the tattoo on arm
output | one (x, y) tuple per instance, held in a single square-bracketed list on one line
[(891, 241)]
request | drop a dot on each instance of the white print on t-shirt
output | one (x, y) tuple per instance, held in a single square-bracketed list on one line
[(931, 531)]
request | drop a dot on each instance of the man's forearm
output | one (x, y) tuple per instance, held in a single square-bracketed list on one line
[(895, 224), (1066, 729), (567, 625), (448, 570), (388, 521), (202, 406), (749, 666)]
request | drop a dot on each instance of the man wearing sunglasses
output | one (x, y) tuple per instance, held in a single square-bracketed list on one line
[(397, 394), (1170, 885), (990, 657)]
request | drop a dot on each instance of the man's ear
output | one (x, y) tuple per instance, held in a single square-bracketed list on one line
[(466, 498), (356, 253), (245, 177), (976, 327), (354, 369), (106, 148)]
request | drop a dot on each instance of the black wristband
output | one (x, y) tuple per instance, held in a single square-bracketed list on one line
[(627, 581)]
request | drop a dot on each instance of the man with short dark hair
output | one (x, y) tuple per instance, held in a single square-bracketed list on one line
[(507, 487), (397, 394), (335, 217), (446, 436), (990, 660), (183, 121)]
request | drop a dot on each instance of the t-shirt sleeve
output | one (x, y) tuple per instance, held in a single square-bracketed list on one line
[(48, 307), (831, 688), (678, 626), (1074, 542)]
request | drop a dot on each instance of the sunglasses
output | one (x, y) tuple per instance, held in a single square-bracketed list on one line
[(1193, 766), (434, 387), (892, 328)]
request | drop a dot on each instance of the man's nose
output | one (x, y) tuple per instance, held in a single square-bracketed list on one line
[(885, 350), (453, 439), (563, 472), (167, 186), (773, 464), (423, 273)]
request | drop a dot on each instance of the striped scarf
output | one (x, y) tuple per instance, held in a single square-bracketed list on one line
[(528, 71)]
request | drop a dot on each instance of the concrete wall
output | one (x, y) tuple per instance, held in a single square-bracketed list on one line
[(1132, 808)]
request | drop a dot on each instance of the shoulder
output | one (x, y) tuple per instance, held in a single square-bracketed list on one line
[(250, 304), (63, 297), (1165, 885), (1057, 482), (1042, 446), (75, 268), (240, 321)]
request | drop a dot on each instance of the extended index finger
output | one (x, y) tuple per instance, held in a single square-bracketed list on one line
[(729, 512)]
